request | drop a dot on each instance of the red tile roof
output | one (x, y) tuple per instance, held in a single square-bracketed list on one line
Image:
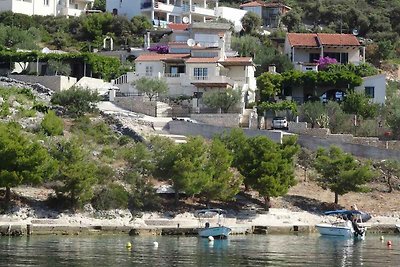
[(262, 3), (338, 39), (237, 61), (202, 60), (178, 26), (317, 39), (253, 4), (159, 57)]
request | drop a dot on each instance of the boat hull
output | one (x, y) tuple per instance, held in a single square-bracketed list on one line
[(216, 232), (332, 230)]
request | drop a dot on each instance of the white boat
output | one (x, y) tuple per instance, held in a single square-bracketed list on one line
[(207, 230), (398, 227), (347, 228)]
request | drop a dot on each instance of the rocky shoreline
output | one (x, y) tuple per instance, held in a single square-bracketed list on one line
[(277, 221)]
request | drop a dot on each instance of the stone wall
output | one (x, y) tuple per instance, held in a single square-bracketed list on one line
[(209, 131), (360, 150), (136, 104), (224, 120), (55, 83)]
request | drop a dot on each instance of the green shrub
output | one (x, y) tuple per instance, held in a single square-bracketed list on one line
[(108, 152), (76, 101), (26, 113), (51, 124), (4, 110), (124, 140), (113, 196), (41, 107)]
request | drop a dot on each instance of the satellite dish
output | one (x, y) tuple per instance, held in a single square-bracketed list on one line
[(355, 32), (45, 50), (191, 42), (185, 20)]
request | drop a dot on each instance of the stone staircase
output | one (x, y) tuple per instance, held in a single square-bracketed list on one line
[(163, 109)]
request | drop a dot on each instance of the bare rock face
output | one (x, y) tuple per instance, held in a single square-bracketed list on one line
[(40, 91)]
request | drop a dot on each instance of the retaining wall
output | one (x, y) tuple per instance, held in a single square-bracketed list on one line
[(209, 131), (136, 104), (224, 120), (56, 83)]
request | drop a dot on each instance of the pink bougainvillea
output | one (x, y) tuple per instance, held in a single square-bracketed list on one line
[(160, 49), (324, 62)]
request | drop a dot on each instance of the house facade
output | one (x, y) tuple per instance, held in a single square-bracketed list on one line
[(163, 12), (47, 7), (303, 49), (270, 13), (192, 69)]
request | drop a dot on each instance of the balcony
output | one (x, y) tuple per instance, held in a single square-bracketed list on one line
[(162, 7), (203, 11)]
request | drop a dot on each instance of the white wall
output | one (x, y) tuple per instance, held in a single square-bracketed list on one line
[(158, 67), (126, 8), (213, 70), (379, 84), (257, 10), (234, 15)]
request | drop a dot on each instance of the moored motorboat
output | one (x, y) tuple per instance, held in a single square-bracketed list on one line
[(348, 227), (207, 230)]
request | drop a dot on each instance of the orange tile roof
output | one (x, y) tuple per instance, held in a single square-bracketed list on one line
[(202, 60), (302, 39), (159, 57), (178, 26), (262, 3), (317, 39), (253, 4), (237, 61), (338, 39)]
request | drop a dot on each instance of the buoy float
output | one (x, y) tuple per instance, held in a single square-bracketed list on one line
[(128, 245), (210, 238), (155, 244), (382, 238), (389, 243)]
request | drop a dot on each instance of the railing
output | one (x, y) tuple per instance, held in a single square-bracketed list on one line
[(121, 79), (172, 75)]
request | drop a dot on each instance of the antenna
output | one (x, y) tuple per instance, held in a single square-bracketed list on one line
[(185, 20), (191, 42), (355, 32)]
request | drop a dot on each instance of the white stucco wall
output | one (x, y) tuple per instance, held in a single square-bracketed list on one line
[(213, 70), (158, 67), (234, 15), (38, 7), (126, 8), (379, 84)]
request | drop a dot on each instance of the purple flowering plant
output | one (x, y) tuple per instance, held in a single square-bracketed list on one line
[(160, 49), (324, 62)]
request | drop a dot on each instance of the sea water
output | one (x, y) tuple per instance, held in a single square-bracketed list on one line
[(251, 250)]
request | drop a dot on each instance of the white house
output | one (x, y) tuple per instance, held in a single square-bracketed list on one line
[(303, 49), (46, 7), (163, 12), (374, 87), (270, 13)]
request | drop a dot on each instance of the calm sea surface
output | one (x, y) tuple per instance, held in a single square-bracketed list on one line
[(272, 250)]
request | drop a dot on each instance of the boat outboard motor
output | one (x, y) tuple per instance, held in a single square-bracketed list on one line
[(357, 230)]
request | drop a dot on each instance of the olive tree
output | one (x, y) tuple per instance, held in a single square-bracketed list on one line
[(151, 87)]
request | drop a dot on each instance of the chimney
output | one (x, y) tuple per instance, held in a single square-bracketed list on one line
[(272, 69), (221, 46), (147, 40)]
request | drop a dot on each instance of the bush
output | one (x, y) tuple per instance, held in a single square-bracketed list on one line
[(113, 196), (51, 124), (77, 101)]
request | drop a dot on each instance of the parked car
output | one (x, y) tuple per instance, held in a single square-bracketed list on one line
[(279, 123)]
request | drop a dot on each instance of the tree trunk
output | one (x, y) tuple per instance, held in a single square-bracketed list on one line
[(336, 198), (8, 195), (305, 174), (266, 203), (389, 182)]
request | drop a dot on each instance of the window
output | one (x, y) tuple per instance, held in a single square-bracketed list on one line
[(149, 70), (340, 57), (370, 91), (46, 2), (200, 73), (314, 57)]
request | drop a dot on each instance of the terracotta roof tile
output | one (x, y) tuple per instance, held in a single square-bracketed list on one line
[(315, 39), (253, 4), (178, 26), (237, 61), (202, 60), (338, 39), (159, 57)]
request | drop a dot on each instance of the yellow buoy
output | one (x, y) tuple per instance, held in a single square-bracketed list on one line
[(128, 245)]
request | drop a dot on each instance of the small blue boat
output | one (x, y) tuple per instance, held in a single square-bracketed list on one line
[(207, 230)]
